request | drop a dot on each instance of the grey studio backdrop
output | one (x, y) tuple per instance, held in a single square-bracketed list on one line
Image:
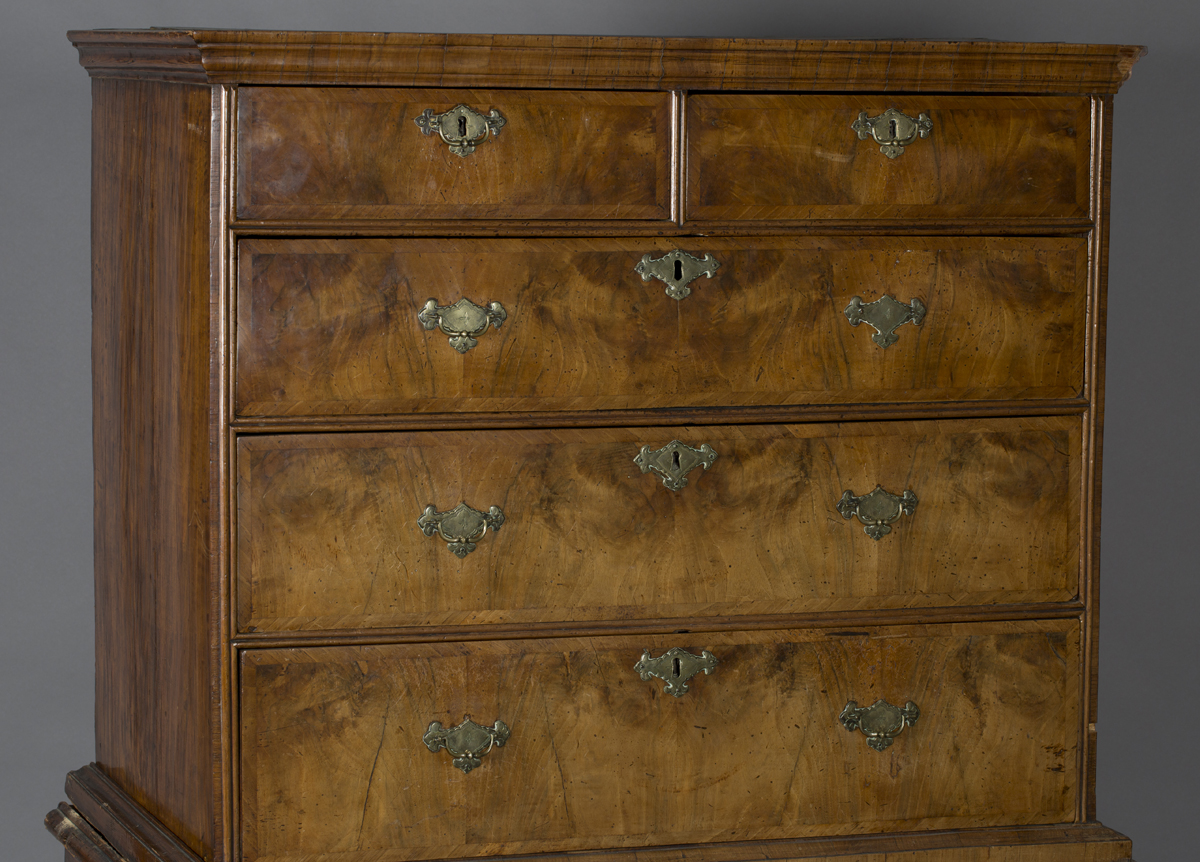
[(1149, 750)]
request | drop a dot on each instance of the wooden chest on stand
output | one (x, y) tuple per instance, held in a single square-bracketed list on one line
[(679, 450)]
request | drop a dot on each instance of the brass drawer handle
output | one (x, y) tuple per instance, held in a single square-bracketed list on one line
[(892, 130), (677, 270), (468, 742), (877, 510), (675, 667), (461, 127), (461, 527), (462, 321), (674, 461), (879, 722), (885, 315)]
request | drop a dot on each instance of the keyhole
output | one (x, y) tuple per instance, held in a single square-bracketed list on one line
[(462, 127), (892, 129), (678, 270), (675, 461), (678, 669)]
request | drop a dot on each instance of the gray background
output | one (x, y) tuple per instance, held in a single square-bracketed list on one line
[(1149, 760)]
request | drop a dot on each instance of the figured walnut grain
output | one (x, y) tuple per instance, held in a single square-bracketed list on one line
[(328, 537), (329, 327), (598, 758), (755, 156), (307, 153)]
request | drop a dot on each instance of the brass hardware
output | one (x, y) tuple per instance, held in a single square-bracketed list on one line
[(462, 526), (468, 742), (877, 509), (461, 127), (674, 461), (675, 667), (892, 130), (677, 269), (462, 321), (884, 315), (879, 722)]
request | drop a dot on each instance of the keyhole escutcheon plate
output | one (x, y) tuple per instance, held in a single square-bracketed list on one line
[(677, 270), (462, 127), (674, 461), (675, 667), (892, 130)]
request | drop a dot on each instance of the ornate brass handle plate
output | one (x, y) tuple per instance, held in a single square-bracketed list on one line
[(677, 270), (467, 743), (879, 722), (462, 321), (892, 130), (675, 667), (877, 510), (461, 527), (461, 127), (674, 461), (884, 315)]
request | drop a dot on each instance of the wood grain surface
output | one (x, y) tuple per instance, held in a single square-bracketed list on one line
[(152, 449), (329, 327), (599, 758), (639, 63), (357, 153), (796, 157), (328, 536)]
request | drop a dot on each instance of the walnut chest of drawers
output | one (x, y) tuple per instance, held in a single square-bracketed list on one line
[(525, 445)]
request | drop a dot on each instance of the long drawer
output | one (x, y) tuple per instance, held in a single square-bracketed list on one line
[(390, 529), (339, 327), (757, 156), (387, 153), (769, 743)]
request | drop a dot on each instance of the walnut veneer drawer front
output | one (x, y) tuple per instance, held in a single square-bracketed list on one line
[(594, 756), (333, 530), (342, 326), (799, 157), (322, 153)]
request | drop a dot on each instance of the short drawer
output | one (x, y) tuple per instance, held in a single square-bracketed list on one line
[(595, 756), (801, 157), (343, 327), (334, 531), (333, 153)]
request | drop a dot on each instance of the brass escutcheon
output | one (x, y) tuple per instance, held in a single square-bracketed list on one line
[(892, 130), (877, 509), (675, 667), (461, 127), (468, 742), (461, 527), (884, 315), (677, 270), (879, 722), (674, 461), (462, 321)]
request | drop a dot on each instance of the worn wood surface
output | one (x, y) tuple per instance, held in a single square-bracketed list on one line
[(453, 60), (164, 653), (1094, 444), (133, 834), (796, 157), (330, 327), (357, 153), (151, 446), (599, 758), (328, 536)]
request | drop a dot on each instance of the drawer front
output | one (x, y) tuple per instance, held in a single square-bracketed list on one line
[(330, 153), (799, 157), (332, 530), (334, 327), (597, 757)]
